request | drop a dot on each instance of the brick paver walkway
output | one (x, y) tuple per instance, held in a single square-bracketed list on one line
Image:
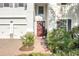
[(10, 47)]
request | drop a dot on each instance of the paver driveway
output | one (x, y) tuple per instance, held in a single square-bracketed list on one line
[(10, 47)]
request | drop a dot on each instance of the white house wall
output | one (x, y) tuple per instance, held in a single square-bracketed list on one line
[(53, 13), (30, 17), (73, 14)]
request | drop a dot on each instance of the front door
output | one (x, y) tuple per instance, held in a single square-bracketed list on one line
[(40, 28)]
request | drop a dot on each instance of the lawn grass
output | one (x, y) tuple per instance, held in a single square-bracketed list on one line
[(35, 54)]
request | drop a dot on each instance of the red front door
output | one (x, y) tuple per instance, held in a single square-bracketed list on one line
[(40, 28)]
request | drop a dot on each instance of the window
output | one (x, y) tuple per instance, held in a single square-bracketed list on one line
[(6, 4), (69, 24), (16, 5), (21, 4), (64, 23), (10, 4), (41, 10), (61, 24), (63, 3), (1, 5)]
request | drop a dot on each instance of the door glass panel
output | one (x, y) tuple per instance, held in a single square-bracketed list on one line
[(41, 10)]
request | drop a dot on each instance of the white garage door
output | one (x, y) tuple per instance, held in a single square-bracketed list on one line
[(12, 28)]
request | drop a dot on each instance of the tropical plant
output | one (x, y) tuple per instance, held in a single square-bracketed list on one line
[(28, 39)]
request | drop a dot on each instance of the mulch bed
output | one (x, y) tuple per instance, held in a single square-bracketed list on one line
[(25, 48)]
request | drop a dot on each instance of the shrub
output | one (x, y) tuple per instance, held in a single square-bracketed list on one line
[(75, 29), (60, 42), (74, 52), (28, 39), (75, 32)]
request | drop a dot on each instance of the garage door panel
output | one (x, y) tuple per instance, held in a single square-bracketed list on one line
[(15, 21), (5, 21), (4, 31), (19, 30), (19, 21)]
